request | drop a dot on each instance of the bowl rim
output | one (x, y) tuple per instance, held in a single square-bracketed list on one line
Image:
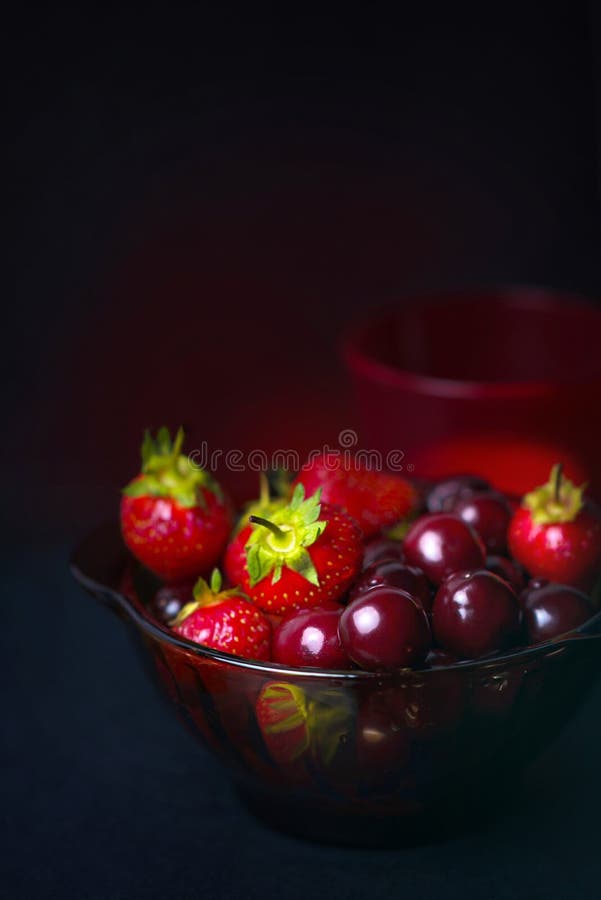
[(519, 297), (138, 616)]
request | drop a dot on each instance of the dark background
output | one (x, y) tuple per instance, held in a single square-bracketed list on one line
[(198, 202)]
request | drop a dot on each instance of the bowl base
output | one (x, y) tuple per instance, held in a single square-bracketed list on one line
[(447, 820)]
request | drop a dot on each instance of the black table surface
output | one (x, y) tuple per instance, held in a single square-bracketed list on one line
[(105, 796)]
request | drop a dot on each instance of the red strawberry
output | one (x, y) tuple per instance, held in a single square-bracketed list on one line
[(556, 534), (305, 553), (174, 518), (282, 717), (376, 500), (224, 620), (295, 724)]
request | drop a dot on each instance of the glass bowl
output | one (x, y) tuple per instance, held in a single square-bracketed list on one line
[(352, 756)]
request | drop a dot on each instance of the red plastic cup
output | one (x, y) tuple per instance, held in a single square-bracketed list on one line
[(502, 382)]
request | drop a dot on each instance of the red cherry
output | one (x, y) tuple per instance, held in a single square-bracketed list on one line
[(310, 638), (553, 610), (475, 613), (382, 548), (442, 544), (394, 573), (489, 514), (508, 570), (444, 495), (385, 629), (170, 599), (533, 584)]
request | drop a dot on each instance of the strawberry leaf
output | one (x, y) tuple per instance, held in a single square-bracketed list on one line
[(302, 563), (167, 472), (283, 538), (216, 581)]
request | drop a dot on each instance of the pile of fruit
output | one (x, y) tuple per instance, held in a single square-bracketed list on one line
[(355, 568)]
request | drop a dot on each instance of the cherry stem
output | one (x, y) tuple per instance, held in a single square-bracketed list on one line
[(557, 476), (259, 520)]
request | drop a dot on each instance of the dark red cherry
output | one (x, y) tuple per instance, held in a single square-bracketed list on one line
[(508, 570), (310, 638), (169, 600), (385, 629), (442, 544), (382, 548), (489, 514), (443, 496), (394, 573), (534, 584), (475, 613), (552, 610)]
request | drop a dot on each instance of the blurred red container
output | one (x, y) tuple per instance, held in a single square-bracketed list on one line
[(503, 382)]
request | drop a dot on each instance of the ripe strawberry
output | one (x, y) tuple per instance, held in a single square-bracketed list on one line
[(174, 518), (305, 553), (224, 620), (376, 500), (282, 714), (295, 724), (556, 533)]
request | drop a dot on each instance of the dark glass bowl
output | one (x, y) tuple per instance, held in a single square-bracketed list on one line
[(355, 756)]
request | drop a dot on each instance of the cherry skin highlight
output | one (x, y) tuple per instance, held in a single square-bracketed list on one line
[(394, 573), (442, 544), (475, 613), (310, 638), (385, 629), (489, 514), (553, 610)]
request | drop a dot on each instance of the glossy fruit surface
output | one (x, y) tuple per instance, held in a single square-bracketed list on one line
[(394, 573), (308, 552), (475, 613), (174, 518), (374, 499), (553, 610), (170, 599), (385, 629), (224, 620), (309, 637), (489, 514), (508, 570), (445, 494), (382, 548), (441, 544), (556, 534)]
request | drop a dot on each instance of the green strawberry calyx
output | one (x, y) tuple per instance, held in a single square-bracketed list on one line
[(207, 594), (283, 538), (557, 501), (167, 472)]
